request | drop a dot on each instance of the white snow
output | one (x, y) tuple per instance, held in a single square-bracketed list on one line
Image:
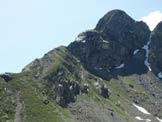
[(105, 41), (146, 47), (160, 120), (139, 118), (136, 51), (141, 109), (119, 67), (147, 120), (79, 38), (71, 87), (84, 41), (160, 74)]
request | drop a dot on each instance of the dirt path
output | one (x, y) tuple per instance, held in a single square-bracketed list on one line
[(18, 108)]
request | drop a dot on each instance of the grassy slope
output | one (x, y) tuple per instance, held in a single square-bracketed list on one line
[(34, 110)]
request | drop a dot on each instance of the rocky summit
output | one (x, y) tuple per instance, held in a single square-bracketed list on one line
[(112, 44), (111, 73)]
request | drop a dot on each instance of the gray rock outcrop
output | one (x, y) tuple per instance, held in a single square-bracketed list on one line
[(110, 46)]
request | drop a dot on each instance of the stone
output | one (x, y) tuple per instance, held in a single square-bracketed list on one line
[(46, 102), (131, 86), (112, 114), (66, 94), (85, 89), (104, 92), (7, 77)]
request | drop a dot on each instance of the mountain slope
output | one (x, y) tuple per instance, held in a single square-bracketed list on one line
[(100, 77)]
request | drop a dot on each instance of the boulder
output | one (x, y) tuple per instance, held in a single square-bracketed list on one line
[(6, 76), (46, 101), (104, 91), (66, 91), (85, 89)]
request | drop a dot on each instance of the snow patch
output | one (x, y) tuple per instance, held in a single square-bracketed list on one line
[(147, 120), (146, 48), (80, 38), (141, 109), (104, 41), (160, 120), (71, 87), (84, 41), (139, 118), (136, 51), (160, 74), (119, 67)]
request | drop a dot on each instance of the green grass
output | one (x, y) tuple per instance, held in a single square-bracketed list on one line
[(136, 88), (37, 111), (34, 110)]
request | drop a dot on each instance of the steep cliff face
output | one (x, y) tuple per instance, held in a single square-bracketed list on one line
[(130, 33), (155, 57), (113, 45), (108, 74)]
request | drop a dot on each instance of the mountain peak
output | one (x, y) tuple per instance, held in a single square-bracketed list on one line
[(111, 44), (116, 19)]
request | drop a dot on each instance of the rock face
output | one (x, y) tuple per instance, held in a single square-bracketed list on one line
[(155, 56), (66, 92), (111, 44), (124, 29)]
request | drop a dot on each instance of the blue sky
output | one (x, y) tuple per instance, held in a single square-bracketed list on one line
[(30, 28)]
